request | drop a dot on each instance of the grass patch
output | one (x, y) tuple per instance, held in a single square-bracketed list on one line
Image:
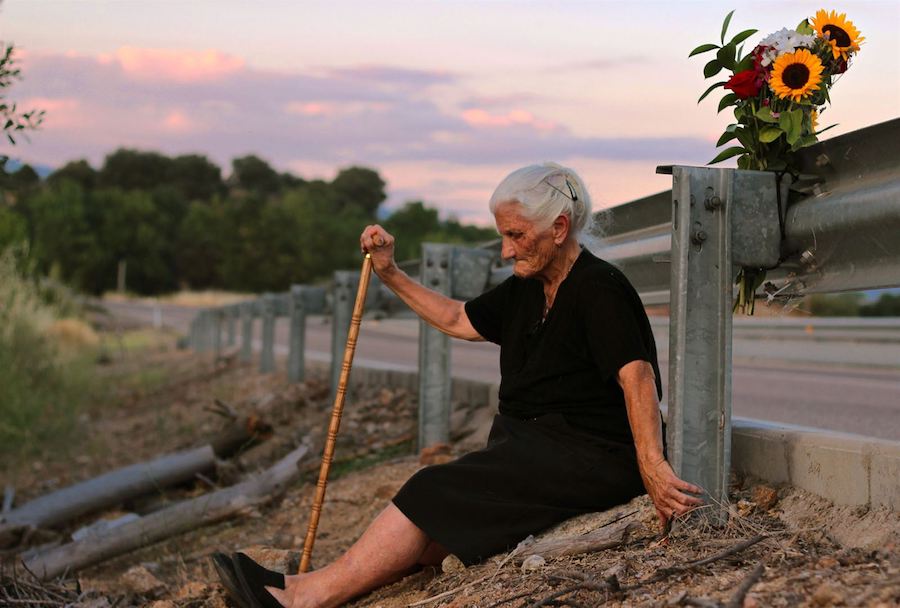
[(46, 365)]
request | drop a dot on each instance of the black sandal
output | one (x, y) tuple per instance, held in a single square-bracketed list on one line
[(228, 577), (254, 579)]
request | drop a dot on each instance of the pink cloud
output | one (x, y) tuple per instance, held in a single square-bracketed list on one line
[(310, 108), (179, 65), (178, 122), (479, 117), (58, 111)]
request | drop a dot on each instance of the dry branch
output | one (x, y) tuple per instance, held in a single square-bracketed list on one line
[(598, 540), (179, 518), (106, 490)]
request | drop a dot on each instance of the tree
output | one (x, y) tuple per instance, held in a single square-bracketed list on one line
[(887, 305), (253, 174), (360, 187), (200, 246), (135, 170), (63, 236), (409, 225), (14, 122), (196, 177), (77, 171)]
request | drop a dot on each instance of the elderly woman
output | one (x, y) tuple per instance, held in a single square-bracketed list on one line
[(578, 429)]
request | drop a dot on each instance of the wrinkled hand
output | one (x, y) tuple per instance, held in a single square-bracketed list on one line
[(670, 495), (377, 242)]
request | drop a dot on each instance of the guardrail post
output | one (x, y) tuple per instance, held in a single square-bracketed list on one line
[(231, 323), (721, 217), (203, 333), (434, 352), (216, 320), (296, 358), (699, 428), (267, 359), (345, 286), (247, 312), (192, 334)]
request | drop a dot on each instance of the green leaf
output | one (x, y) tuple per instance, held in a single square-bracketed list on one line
[(703, 48), (741, 37), (804, 28), (769, 134), (726, 154), (745, 136), (712, 68), (820, 131), (726, 101), (725, 56), (796, 124), (732, 128), (725, 25), (744, 162), (765, 115), (710, 90), (807, 140), (726, 137), (784, 121), (744, 64)]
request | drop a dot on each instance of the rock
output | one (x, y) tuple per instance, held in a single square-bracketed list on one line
[(193, 590), (764, 496), (139, 581), (452, 563), (533, 562), (827, 561), (750, 602), (438, 453), (279, 560), (827, 595), (163, 604)]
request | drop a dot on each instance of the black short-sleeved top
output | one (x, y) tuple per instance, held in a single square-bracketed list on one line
[(568, 363)]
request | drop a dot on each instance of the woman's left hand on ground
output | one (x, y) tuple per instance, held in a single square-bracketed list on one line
[(671, 495)]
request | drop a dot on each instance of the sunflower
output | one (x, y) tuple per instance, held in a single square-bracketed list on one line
[(796, 75), (839, 33), (814, 119)]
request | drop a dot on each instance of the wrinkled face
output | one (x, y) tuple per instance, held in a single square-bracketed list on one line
[(532, 250)]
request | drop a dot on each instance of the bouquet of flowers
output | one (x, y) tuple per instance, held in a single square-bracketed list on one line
[(778, 91)]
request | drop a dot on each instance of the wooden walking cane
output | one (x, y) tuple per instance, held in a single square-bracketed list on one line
[(337, 410)]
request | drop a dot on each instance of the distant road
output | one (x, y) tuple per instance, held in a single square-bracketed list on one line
[(849, 382)]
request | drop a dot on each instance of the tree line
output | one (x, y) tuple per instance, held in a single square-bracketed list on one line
[(176, 223)]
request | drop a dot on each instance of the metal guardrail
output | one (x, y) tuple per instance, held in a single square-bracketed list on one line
[(681, 247)]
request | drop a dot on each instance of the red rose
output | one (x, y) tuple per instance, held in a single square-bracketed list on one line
[(744, 84)]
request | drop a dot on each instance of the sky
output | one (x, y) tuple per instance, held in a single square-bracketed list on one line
[(442, 98)]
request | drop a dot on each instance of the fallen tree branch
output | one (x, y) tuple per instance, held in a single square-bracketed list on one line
[(106, 490), (669, 570), (738, 599), (598, 540), (179, 518)]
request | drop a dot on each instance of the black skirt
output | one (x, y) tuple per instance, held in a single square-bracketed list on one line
[(531, 475)]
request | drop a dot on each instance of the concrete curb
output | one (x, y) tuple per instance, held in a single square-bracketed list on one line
[(847, 469)]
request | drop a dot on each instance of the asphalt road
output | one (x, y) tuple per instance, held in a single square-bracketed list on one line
[(850, 384)]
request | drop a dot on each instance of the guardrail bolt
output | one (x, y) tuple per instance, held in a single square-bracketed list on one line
[(698, 236), (713, 203)]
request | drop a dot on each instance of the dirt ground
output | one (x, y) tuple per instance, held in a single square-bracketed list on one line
[(811, 553)]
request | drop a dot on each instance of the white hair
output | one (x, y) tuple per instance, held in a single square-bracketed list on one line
[(545, 192)]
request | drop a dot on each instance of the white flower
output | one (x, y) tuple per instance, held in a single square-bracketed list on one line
[(783, 41)]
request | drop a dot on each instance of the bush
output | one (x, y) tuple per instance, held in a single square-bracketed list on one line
[(834, 305), (43, 386)]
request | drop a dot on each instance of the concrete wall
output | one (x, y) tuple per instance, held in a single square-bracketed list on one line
[(846, 469)]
